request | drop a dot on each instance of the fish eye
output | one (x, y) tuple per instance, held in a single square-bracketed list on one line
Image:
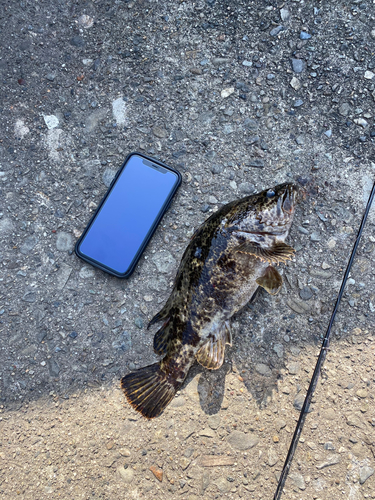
[(270, 193)]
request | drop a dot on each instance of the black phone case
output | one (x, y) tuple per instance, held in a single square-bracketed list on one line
[(152, 228)]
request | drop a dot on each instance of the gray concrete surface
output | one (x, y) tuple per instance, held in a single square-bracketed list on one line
[(238, 97)]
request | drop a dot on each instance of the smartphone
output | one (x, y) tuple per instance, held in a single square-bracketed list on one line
[(128, 215)]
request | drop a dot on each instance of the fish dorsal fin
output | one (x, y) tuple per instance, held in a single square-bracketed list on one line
[(211, 354), (279, 252), (271, 280), (162, 338), (163, 314)]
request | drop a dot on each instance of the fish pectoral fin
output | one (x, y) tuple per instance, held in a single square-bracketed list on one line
[(211, 354), (271, 280), (279, 252), (162, 339)]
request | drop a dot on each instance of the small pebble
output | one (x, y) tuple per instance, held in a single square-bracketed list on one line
[(364, 473), (293, 368), (315, 236), (295, 83), (276, 31), (158, 473), (298, 65), (227, 92), (138, 322), (241, 441), (284, 14), (297, 103), (305, 293)]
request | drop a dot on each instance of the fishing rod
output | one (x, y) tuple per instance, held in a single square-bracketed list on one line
[(320, 361)]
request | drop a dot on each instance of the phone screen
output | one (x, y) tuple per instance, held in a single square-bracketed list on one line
[(128, 213)]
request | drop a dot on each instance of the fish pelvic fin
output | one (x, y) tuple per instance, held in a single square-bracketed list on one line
[(211, 354), (149, 390), (271, 280), (279, 252)]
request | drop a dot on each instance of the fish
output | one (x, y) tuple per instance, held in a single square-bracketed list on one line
[(230, 255)]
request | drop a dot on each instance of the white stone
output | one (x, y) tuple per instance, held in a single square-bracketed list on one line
[(369, 75), (164, 262), (119, 110), (86, 272), (20, 129), (64, 242), (51, 121), (55, 140), (86, 62), (6, 226), (85, 21), (331, 243), (126, 475), (361, 122), (284, 14), (295, 83), (227, 92)]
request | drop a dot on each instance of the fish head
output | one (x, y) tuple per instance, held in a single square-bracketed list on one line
[(269, 212)]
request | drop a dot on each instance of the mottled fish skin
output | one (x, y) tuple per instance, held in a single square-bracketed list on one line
[(229, 256)]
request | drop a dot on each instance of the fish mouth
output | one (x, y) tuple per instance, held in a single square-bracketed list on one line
[(289, 198)]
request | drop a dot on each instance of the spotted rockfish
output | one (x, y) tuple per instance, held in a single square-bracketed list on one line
[(230, 255)]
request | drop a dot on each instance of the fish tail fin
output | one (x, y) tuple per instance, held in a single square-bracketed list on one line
[(149, 390)]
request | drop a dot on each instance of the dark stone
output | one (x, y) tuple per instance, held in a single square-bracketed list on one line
[(256, 163), (297, 103), (77, 41), (41, 336), (53, 367), (217, 169), (250, 124), (298, 401), (124, 342), (253, 139), (28, 244), (29, 297), (305, 293), (298, 65), (138, 322), (276, 31)]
